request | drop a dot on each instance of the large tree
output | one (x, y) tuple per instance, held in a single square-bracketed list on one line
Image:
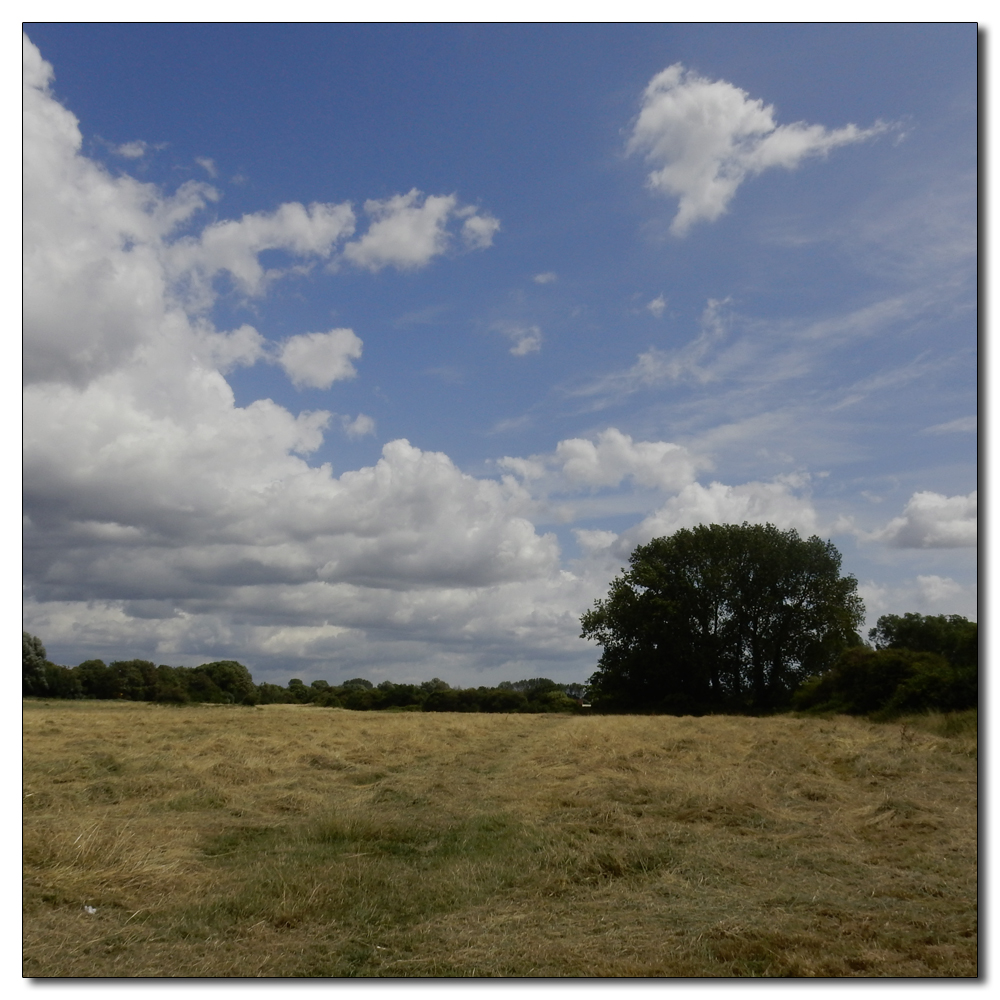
[(721, 617)]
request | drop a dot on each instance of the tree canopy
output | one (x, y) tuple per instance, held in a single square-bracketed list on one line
[(951, 636), (721, 618), (920, 662)]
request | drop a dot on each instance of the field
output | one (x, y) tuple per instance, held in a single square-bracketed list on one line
[(298, 841)]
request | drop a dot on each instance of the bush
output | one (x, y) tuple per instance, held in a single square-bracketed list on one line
[(864, 681)]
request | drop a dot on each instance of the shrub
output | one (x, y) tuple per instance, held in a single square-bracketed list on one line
[(887, 681)]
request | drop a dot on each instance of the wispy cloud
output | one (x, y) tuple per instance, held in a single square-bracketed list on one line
[(963, 425), (890, 378), (743, 351), (526, 339), (421, 317), (132, 150)]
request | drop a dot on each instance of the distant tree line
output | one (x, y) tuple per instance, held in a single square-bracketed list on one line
[(229, 682), (739, 619)]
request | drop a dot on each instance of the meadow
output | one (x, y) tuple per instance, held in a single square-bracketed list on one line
[(289, 840)]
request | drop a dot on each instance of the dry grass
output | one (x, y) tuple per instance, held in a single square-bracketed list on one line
[(295, 841)]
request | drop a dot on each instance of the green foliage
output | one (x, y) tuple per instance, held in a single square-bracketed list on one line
[(501, 700), (951, 636), (921, 663), (358, 682), (273, 694), (33, 661), (96, 679), (232, 679), (61, 682), (888, 682), (721, 618), (135, 680)]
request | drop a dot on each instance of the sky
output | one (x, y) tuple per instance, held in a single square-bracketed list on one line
[(374, 350)]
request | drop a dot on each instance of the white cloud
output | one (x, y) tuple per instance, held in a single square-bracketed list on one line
[(225, 351), (360, 426), (705, 137), (963, 425), (612, 475), (526, 339), (478, 231), (164, 520), (932, 521), (132, 150), (545, 278), (657, 306), (698, 361), (207, 164), (615, 456), (317, 360), (93, 280), (408, 230), (405, 231), (925, 594), (235, 246), (525, 468), (773, 502), (750, 356), (938, 590), (593, 541)]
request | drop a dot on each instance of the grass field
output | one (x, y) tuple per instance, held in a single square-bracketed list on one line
[(296, 841)]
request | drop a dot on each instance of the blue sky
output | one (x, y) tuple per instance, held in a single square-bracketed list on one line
[(373, 350)]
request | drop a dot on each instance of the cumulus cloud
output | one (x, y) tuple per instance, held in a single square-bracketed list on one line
[(408, 230), (615, 456), (705, 137), (775, 502), (360, 426), (932, 521), (207, 164), (164, 520), (545, 278), (317, 360), (593, 540), (225, 351), (612, 474), (235, 246), (928, 594), (478, 230)]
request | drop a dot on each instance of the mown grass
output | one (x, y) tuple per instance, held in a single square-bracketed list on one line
[(295, 841)]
